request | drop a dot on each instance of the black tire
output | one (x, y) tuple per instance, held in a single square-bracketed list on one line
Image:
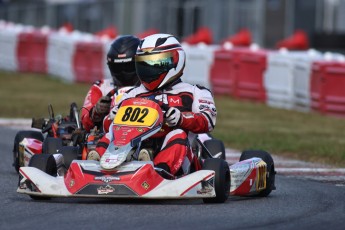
[(69, 153), (51, 145), (221, 179), (45, 163), (215, 147), (17, 139), (270, 177)]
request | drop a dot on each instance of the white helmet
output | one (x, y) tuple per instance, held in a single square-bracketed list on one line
[(159, 60)]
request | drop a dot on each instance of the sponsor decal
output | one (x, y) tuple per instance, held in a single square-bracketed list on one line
[(201, 107), (163, 98), (139, 102), (121, 55), (174, 101), (107, 179), (105, 190), (122, 60), (113, 159), (206, 101), (71, 183), (145, 185), (140, 130)]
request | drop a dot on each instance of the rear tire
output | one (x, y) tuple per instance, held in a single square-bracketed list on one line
[(19, 138), (270, 177), (51, 145), (221, 179), (69, 153)]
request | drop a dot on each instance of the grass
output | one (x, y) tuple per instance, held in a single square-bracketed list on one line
[(28, 95), (308, 136), (240, 124)]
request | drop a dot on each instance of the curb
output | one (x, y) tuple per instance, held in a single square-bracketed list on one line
[(15, 122)]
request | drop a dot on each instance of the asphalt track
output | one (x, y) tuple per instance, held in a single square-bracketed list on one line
[(300, 202)]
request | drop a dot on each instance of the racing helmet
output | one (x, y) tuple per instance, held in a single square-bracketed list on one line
[(120, 60), (159, 61)]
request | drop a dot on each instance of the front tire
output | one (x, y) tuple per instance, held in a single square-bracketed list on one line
[(270, 176), (45, 163), (221, 179), (216, 149), (19, 138)]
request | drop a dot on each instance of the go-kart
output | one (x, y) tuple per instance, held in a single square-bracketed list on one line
[(51, 136), (119, 173)]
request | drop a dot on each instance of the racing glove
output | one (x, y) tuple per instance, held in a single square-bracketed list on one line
[(172, 117), (101, 109)]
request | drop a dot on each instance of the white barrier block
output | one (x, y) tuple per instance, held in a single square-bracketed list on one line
[(287, 79), (8, 47), (278, 80), (199, 60), (301, 78), (60, 51)]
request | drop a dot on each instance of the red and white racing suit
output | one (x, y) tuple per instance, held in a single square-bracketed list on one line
[(198, 115), (99, 89)]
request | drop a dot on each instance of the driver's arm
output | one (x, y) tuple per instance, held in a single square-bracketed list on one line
[(202, 118)]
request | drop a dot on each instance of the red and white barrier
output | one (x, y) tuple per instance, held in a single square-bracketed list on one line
[(300, 80)]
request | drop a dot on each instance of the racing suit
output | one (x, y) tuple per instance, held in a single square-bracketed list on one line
[(198, 115), (98, 89)]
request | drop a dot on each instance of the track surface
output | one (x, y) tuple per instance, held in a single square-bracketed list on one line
[(305, 198)]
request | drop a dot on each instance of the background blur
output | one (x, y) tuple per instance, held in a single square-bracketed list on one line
[(268, 20)]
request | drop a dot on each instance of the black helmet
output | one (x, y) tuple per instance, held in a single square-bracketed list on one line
[(120, 60)]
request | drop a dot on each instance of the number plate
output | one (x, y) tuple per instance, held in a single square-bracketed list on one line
[(136, 116)]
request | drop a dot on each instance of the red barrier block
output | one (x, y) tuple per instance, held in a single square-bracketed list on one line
[(32, 52), (250, 68), (223, 73), (239, 72), (298, 41), (87, 62), (316, 78), (327, 88), (202, 35), (241, 38)]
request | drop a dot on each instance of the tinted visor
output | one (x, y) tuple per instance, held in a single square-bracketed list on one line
[(123, 73), (118, 68), (150, 67)]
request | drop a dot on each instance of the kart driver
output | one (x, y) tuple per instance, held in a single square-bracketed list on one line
[(159, 62), (120, 60)]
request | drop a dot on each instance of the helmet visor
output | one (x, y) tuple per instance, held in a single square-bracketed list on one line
[(150, 67), (119, 68)]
